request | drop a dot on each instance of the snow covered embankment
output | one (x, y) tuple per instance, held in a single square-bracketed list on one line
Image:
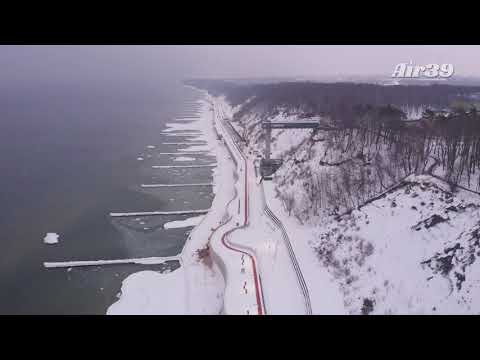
[(151, 293), (412, 251)]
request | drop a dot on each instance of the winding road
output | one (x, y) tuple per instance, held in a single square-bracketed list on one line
[(232, 141), (224, 233)]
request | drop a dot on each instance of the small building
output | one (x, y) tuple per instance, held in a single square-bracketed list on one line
[(268, 167)]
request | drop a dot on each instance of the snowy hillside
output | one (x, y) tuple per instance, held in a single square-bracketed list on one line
[(396, 240), (413, 250)]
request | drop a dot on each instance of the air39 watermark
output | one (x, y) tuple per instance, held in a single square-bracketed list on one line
[(428, 71)]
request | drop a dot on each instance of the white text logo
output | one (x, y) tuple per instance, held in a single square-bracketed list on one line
[(408, 70)]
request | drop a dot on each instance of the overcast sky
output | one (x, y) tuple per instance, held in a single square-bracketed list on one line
[(152, 62)]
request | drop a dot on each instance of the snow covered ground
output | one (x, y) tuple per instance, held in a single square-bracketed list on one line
[(412, 251), (282, 292), (413, 113), (280, 284), (325, 295), (243, 292), (151, 293)]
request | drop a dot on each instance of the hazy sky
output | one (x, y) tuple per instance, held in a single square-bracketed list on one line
[(327, 60), (151, 62)]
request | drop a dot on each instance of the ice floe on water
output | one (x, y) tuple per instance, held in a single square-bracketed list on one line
[(196, 134), (140, 158), (142, 261), (192, 221), (150, 146), (51, 238), (184, 158), (195, 148)]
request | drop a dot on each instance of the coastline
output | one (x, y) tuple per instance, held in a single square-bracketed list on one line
[(149, 292)]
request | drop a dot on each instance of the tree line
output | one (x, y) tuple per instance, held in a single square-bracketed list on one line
[(376, 145)]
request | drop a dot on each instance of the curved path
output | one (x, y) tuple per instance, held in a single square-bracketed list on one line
[(237, 253), (278, 224)]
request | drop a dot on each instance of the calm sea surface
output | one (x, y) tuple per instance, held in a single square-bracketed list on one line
[(68, 157)]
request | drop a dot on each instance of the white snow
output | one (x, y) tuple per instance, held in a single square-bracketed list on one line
[(325, 295), (259, 240), (152, 293), (385, 258), (51, 238), (192, 221), (413, 112), (393, 253)]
